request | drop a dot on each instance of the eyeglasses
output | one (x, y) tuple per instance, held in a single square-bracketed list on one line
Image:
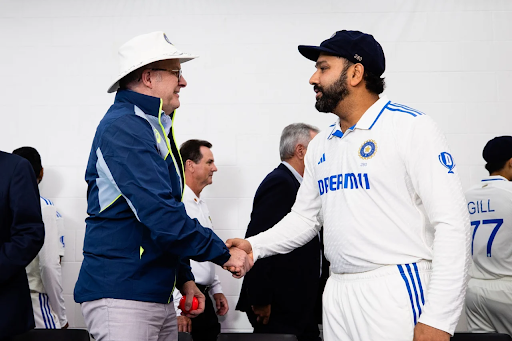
[(177, 73)]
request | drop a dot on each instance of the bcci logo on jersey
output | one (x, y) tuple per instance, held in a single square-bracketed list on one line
[(368, 149), (447, 160)]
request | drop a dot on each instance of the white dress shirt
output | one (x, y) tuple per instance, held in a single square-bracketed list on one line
[(204, 272)]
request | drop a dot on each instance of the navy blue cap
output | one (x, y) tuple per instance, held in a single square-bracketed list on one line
[(358, 47), (498, 149)]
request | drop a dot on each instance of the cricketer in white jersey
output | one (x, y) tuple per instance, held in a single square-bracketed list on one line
[(44, 273), (396, 227), (489, 297)]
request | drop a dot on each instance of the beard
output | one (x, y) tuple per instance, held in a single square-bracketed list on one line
[(333, 94)]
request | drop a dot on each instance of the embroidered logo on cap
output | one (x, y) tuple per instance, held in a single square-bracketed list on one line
[(358, 57)]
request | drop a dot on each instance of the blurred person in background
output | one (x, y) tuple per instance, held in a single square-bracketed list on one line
[(45, 271), (21, 238)]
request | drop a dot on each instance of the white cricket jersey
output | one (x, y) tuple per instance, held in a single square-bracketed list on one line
[(204, 272), (389, 193), (490, 212), (44, 272)]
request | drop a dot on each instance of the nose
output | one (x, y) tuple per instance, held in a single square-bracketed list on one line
[(214, 168), (182, 82), (314, 79)]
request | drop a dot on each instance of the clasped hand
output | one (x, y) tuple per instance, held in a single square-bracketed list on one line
[(241, 259)]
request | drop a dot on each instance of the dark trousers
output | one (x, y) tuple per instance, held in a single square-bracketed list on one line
[(206, 326), (279, 325)]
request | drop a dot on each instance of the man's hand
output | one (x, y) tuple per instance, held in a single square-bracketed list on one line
[(422, 332), (190, 290), (262, 313), (239, 263), (222, 304), (184, 324), (241, 244)]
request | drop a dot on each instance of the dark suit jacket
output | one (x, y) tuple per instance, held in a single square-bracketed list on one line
[(21, 238), (288, 282)]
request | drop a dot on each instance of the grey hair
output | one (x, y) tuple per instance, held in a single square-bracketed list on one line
[(292, 135)]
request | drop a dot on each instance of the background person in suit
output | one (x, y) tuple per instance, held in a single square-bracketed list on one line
[(21, 238), (273, 292)]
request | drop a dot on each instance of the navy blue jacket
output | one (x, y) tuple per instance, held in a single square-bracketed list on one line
[(21, 238), (138, 234)]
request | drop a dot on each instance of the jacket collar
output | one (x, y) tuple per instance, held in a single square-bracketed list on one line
[(148, 104)]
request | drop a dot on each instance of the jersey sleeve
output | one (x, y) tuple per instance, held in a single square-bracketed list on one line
[(434, 177), (299, 226)]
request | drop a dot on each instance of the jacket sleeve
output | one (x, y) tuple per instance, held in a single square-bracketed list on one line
[(435, 179), (274, 199), (184, 273), (27, 229), (129, 150), (49, 263)]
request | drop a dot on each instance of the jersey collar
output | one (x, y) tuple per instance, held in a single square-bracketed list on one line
[(367, 121)]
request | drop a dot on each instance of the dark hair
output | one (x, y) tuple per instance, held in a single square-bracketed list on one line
[(32, 156), (495, 166), (135, 75), (191, 150), (373, 83)]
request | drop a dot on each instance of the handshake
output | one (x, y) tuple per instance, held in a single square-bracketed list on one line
[(241, 259)]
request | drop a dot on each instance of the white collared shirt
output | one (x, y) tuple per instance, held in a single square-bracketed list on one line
[(204, 272), (490, 211), (385, 188)]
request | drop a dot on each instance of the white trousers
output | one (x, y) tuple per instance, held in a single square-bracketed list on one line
[(489, 305), (44, 316), (382, 304), (111, 319)]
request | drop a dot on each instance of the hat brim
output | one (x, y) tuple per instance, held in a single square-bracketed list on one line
[(115, 86), (312, 52)]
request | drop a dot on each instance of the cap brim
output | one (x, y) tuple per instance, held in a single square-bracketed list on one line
[(115, 86), (312, 52)]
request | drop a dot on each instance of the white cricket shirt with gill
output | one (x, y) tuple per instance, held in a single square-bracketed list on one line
[(490, 212)]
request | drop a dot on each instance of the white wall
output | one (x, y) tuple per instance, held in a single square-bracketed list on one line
[(448, 58)]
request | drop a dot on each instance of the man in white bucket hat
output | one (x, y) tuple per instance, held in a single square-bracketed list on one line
[(138, 236)]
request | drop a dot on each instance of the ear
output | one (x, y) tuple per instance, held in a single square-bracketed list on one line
[(40, 177), (189, 165), (355, 77), (146, 78), (300, 151)]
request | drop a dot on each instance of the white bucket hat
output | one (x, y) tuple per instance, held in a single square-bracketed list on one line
[(143, 50)]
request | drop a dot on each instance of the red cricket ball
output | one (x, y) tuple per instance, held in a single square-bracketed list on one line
[(195, 304)]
